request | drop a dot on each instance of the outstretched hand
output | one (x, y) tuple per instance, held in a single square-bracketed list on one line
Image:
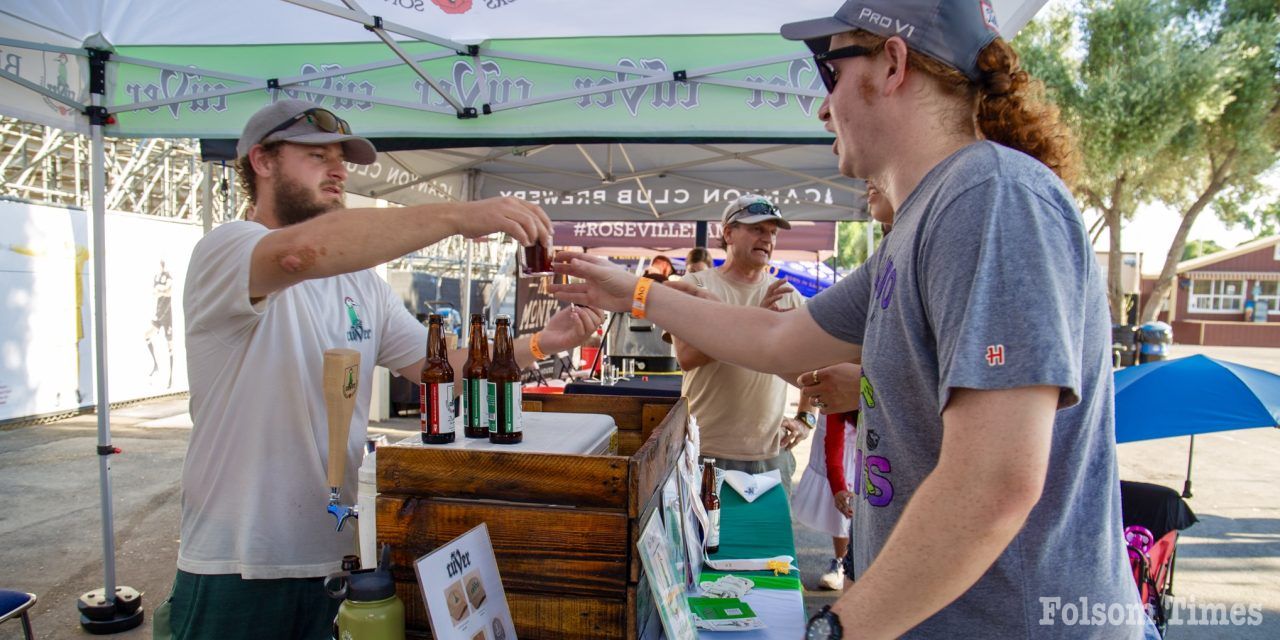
[(525, 222), (775, 293), (570, 327), (605, 285)]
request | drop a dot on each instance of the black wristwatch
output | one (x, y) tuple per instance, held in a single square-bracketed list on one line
[(808, 418), (824, 626)]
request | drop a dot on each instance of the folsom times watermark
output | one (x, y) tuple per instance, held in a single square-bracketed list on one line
[(1181, 612)]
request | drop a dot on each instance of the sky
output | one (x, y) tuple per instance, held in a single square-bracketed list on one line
[(1151, 232)]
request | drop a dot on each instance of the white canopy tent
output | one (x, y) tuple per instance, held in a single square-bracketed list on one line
[(625, 110)]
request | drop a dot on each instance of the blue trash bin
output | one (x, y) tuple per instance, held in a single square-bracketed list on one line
[(1154, 340)]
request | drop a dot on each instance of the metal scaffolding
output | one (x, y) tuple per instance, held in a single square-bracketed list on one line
[(166, 178)]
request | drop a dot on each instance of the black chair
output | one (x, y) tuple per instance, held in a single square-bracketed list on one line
[(16, 604)]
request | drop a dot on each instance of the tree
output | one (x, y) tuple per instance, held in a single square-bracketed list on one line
[(1222, 158), (851, 244), (1129, 82), (1195, 249)]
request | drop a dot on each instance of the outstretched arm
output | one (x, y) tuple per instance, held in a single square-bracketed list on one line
[(751, 337), (349, 240)]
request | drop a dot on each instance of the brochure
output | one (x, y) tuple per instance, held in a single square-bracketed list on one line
[(667, 587), (463, 591)]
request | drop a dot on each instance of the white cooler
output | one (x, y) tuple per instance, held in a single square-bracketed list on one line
[(590, 434)]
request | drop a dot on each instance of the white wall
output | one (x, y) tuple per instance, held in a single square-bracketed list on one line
[(46, 308)]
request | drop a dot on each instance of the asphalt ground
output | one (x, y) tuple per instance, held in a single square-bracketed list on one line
[(51, 527)]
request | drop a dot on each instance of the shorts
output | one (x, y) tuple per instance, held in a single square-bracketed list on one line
[(228, 607)]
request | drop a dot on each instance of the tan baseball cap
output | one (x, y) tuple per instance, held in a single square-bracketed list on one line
[(302, 122)]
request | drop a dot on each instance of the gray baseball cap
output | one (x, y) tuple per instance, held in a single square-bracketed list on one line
[(289, 121), (953, 31), (750, 208)]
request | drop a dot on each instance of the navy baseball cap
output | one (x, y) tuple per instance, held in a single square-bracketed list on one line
[(953, 31)]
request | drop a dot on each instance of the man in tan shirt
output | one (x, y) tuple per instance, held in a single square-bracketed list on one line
[(740, 412)]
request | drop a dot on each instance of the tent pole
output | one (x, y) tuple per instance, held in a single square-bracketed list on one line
[(472, 188), (700, 235), (97, 176), (206, 199), (871, 236), (113, 608), (1186, 486)]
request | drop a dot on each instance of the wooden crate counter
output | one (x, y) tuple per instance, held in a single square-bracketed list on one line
[(563, 526)]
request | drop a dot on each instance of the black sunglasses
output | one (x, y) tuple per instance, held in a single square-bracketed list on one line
[(827, 72), (323, 119), (755, 208)]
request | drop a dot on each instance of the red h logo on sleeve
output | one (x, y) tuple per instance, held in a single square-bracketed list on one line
[(995, 355)]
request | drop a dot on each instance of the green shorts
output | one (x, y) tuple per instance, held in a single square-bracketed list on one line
[(228, 607)]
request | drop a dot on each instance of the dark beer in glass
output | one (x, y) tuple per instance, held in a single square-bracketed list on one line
[(537, 260)]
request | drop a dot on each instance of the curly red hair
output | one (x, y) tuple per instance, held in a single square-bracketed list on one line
[(1007, 106)]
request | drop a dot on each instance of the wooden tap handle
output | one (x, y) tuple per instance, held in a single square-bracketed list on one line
[(341, 381)]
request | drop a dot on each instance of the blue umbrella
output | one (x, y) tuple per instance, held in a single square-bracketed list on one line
[(1197, 394)]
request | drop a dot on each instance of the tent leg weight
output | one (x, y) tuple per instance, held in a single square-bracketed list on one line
[(100, 616)]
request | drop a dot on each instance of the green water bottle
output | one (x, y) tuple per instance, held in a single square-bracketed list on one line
[(370, 609)]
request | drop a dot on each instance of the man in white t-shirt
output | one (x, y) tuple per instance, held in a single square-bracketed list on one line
[(740, 412), (265, 297)]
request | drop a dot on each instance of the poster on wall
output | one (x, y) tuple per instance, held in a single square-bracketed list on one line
[(46, 345), (146, 269)]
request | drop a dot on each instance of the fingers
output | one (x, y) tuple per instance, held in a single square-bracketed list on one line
[(543, 220), (594, 317), (587, 321), (779, 287), (528, 217)]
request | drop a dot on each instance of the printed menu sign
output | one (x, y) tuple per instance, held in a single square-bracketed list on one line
[(463, 591)]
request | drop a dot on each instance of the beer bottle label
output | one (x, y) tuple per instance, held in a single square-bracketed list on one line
[(475, 403), (509, 410), (713, 528), (436, 407), (491, 403)]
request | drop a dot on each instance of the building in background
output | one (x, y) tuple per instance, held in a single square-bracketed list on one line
[(1228, 298)]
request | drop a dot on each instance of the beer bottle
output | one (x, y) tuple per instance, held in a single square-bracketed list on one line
[(711, 502), (504, 387), (436, 403), (475, 383)]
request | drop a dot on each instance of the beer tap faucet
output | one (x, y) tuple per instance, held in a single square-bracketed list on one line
[(341, 380)]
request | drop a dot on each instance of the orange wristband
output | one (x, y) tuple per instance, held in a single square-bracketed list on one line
[(533, 347), (640, 297)]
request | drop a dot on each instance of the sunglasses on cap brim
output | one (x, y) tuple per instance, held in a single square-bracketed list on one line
[(827, 72), (755, 209), (323, 119)]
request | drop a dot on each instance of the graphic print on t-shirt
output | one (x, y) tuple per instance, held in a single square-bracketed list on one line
[(357, 332), (871, 472), (885, 282)]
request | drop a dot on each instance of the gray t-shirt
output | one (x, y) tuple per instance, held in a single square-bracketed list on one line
[(988, 281)]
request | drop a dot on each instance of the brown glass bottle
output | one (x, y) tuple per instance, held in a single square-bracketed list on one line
[(504, 387), (711, 502), (436, 406), (475, 383)]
